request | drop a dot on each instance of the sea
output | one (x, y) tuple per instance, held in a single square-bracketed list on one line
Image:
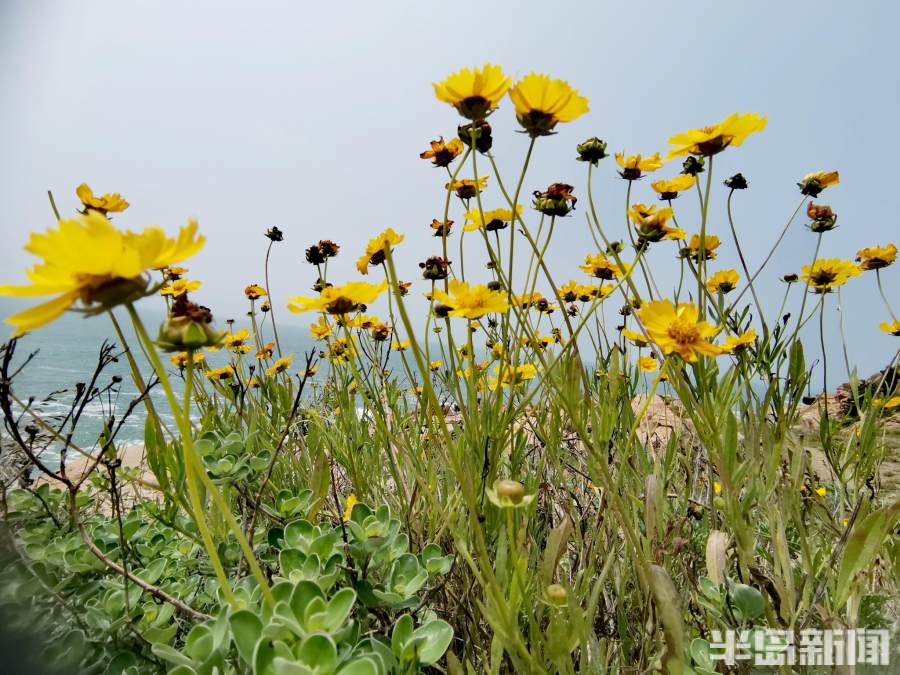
[(51, 364)]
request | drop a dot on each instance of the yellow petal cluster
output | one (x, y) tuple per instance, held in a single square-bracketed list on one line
[(678, 329), (733, 130)]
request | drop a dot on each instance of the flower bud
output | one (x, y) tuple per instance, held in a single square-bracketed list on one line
[(736, 182), (824, 219), (482, 132), (188, 327), (592, 150), (555, 200), (435, 268), (275, 234), (512, 490), (693, 166), (556, 594)]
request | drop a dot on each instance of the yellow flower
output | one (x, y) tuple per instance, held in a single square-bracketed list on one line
[(173, 273), (821, 491), (339, 350), (710, 244), (180, 359), (876, 257), (218, 374), (892, 402), (541, 103), (634, 165), (253, 383), (474, 92), (237, 342), (717, 487), (339, 299), (678, 329), (111, 202), (498, 219), (652, 223), (647, 364), (376, 249), (638, 339), (280, 365), (510, 376), (180, 287), (669, 189), (86, 258), (442, 153), (568, 291), (828, 273), (735, 343), (892, 327), (813, 183), (471, 302), (320, 330), (266, 351), (435, 365), (733, 130), (254, 292), (723, 281), (348, 509), (466, 188), (396, 345), (601, 267)]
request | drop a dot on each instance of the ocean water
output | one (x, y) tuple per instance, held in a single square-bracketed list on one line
[(66, 353)]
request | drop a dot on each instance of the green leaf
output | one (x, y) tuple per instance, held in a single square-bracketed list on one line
[(362, 666), (668, 606), (865, 541), (403, 629), (319, 653), (339, 608), (437, 636), (246, 629), (748, 601)]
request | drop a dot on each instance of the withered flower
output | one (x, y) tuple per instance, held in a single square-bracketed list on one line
[(556, 200)]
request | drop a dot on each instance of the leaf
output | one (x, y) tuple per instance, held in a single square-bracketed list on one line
[(246, 629), (716, 548), (402, 631), (557, 541), (362, 666), (866, 539), (668, 606), (319, 653), (748, 601), (437, 636)]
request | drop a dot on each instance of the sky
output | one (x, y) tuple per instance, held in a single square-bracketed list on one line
[(311, 117)]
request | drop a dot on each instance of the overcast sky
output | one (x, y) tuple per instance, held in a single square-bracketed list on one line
[(310, 116)]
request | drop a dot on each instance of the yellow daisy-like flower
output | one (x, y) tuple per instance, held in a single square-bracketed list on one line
[(255, 292), (892, 402), (173, 273), (652, 223), (568, 291), (441, 153), (348, 508), (891, 327), (237, 342), (339, 350), (510, 376), (710, 243), (600, 266), (466, 188), (669, 189), (876, 257), (813, 183), (733, 130), (717, 487), (219, 374), (376, 249), (821, 491), (435, 365), (266, 351), (637, 339), (633, 166), (471, 302), (678, 329), (829, 273), (474, 92), (180, 287), (723, 281), (87, 258), (398, 346), (647, 364), (280, 365), (320, 330), (542, 102), (735, 343), (180, 359), (497, 219), (339, 299), (111, 202)]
